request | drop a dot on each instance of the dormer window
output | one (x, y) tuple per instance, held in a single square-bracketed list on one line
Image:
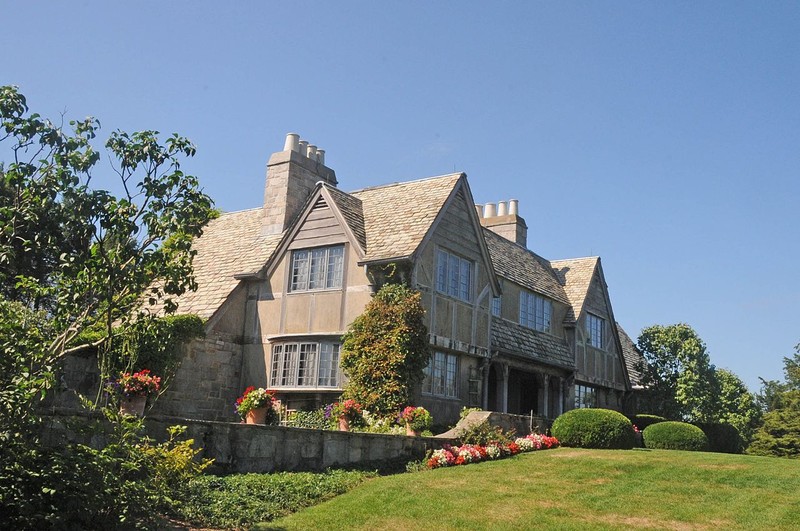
[(535, 311), (595, 327), (454, 275), (317, 269)]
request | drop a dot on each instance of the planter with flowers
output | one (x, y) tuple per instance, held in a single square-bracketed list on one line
[(416, 419), (133, 390), (257, 406), (346, 412)]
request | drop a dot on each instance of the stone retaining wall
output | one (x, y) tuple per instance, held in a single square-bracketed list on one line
[(241, 448)]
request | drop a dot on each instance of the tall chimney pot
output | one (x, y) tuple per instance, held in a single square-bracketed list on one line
[(303, 147), (513, 207), (321, 156), (490, 210), (502, 208), (292, 142), (312, 152)]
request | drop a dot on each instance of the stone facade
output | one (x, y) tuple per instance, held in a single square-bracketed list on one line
[(269, 326)]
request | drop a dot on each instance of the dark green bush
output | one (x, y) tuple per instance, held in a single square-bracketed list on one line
[(642, 421), (722, 438), (309, 419), (594, 428), (672, 435), (484, 433)]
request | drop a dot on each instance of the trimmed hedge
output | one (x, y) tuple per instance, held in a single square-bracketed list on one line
[(594, 428), (644, 420), (673, 435), (722, 438)]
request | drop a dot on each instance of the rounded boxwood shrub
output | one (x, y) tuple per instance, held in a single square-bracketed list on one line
[(672, 435), (644, 420), (722, 438), (594, 428)]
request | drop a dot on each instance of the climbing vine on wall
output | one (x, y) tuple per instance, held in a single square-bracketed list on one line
[(385, 350)]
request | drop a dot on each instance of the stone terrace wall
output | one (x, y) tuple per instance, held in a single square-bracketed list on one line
[(243, 448), (207, 382)]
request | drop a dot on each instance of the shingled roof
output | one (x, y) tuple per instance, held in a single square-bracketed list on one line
[(398, 216), (575, 275), (352, 211), (388, 221), (230, 244), (633, 357), (523, 267), (511, 338)]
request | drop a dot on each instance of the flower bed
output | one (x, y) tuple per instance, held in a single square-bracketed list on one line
[(470, 453)]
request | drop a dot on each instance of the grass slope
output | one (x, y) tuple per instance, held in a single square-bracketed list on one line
[(574, 489)]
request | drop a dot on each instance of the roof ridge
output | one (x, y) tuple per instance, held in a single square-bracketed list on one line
[(595, 257), (400, 183)]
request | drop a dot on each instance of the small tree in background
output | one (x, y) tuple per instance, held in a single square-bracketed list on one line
[(779, 435), (385, 350)]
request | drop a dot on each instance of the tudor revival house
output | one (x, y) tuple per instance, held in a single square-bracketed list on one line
[(509, 330)]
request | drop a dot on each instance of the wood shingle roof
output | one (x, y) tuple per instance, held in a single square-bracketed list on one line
[(575, 275), (523, 267)]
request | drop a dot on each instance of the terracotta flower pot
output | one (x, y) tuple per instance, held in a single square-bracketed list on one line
[(411, 432), (133, 406), (344, 424), (257, 416)]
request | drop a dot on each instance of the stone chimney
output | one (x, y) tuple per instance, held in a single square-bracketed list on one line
[(292, 175), (503, 219)]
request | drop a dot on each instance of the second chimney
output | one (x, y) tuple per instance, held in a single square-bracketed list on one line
[(505, 221)]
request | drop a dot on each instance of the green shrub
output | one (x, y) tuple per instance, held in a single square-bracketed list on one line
[(642, 421), (241, 500), (314, 420), (484, 433), (594, 428), (722, 438), (672, 435)]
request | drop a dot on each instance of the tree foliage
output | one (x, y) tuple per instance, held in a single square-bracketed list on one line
[(779, 435), (385, 350), (737, 406), (81, 253), (678, 373), (79, 269)]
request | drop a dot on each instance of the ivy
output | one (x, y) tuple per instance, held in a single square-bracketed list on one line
[(385, 350)]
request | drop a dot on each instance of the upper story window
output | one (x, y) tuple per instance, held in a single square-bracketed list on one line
[(305, 365), (595, 328), (585, 396), (319, 268), (454, 275), (441, 375), (496, 301), (535, 311)]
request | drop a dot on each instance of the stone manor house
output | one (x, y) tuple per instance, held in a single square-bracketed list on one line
[(509, 331)]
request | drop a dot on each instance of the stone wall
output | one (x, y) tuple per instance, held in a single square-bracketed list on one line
[(243, 448), (207, 382)]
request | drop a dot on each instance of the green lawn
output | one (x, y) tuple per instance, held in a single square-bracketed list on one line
[(571, 488)]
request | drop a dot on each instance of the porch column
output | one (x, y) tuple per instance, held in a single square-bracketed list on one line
[(503, 387), (485, 385), (560, 407), (546, 396)]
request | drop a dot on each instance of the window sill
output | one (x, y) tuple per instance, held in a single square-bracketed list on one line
[(320, 290)]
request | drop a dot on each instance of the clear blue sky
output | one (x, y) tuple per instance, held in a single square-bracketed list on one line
[(662, 136)]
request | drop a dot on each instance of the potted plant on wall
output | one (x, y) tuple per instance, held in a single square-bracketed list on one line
[(257, 406), (133, 390), (417, 419), (347, 412)]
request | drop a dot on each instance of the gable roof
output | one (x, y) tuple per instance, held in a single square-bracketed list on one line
[(352, 211), (523, 267), (230, 244), (633, 357), (398, 216), (575, 275)]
